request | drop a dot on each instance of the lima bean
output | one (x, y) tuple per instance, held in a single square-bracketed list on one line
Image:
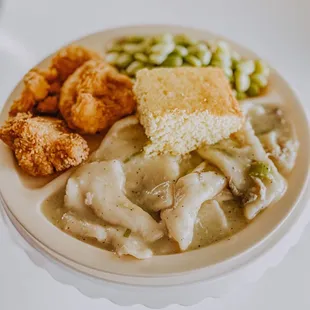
[(204, 57), (141, 57), (162, 48), (259, 79), (164, 38), (115, 47), (134, 39), (123, 60), (261, 67), (112, 57), (240, 95), (181, 50), (157, 59), (253, 90), (198, 48), (193, 60), (134, 67), (173, 61), (182, 39), (246, 66), (223, 47), (242, 82), (132, 48)]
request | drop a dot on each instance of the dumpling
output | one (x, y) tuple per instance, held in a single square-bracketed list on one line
[(190, 192), (102, 187), (276, 134), (123, 241), (211, 225), (150, 181), (125, 138), (252, 175)]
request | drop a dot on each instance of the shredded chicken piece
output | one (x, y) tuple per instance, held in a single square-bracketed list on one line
[(95, 96), (43, 145)]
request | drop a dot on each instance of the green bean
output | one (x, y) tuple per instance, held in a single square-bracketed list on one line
[(261, 67), (205, 57), (132, 48), (141, 57), (260, 170), (134, 67), (246, 66), (259, 79), (181, 50), (123, 60), (162, 48), (112, 57), (193, 60), (134, 39), (173, 61), (182, 39), (157, 59), (253, 90), (242, 82)]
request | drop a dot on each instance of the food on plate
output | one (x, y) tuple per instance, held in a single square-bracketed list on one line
[(123, 240), (43, 145), (183, 108), (42, 87), (191, 191), (169, 203), (95, 96), (193, 166), (115, 208), (130, 54), (69, 58)]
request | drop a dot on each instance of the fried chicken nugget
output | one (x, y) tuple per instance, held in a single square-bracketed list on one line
[(68, 59), (95, 96), (42, 87), (43, 145)]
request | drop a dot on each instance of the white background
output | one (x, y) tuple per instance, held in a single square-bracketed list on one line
[(276, 30)]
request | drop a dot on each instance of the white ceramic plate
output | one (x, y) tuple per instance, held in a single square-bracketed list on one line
[(23, 196)]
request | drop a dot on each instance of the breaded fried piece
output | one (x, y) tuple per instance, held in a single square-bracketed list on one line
[(95, 96), (42, 87), (69, 58), (43, 145)]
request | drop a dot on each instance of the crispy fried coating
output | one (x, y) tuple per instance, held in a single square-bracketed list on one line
[(43, 145), (95, 96), (42, 87), (68, 59)]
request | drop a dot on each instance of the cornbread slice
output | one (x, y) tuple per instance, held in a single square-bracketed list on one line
[(183, 108)]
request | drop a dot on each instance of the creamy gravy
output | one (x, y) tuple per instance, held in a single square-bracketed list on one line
[(53, 208), (132, 203)]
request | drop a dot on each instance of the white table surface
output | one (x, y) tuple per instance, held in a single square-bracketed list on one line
[(277, 30)]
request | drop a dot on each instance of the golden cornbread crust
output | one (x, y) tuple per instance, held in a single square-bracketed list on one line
[(184, 108), (187, 89)]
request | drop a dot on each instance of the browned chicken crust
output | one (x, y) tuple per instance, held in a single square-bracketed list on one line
[(43, 145), (95, 96), (42, 87)]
